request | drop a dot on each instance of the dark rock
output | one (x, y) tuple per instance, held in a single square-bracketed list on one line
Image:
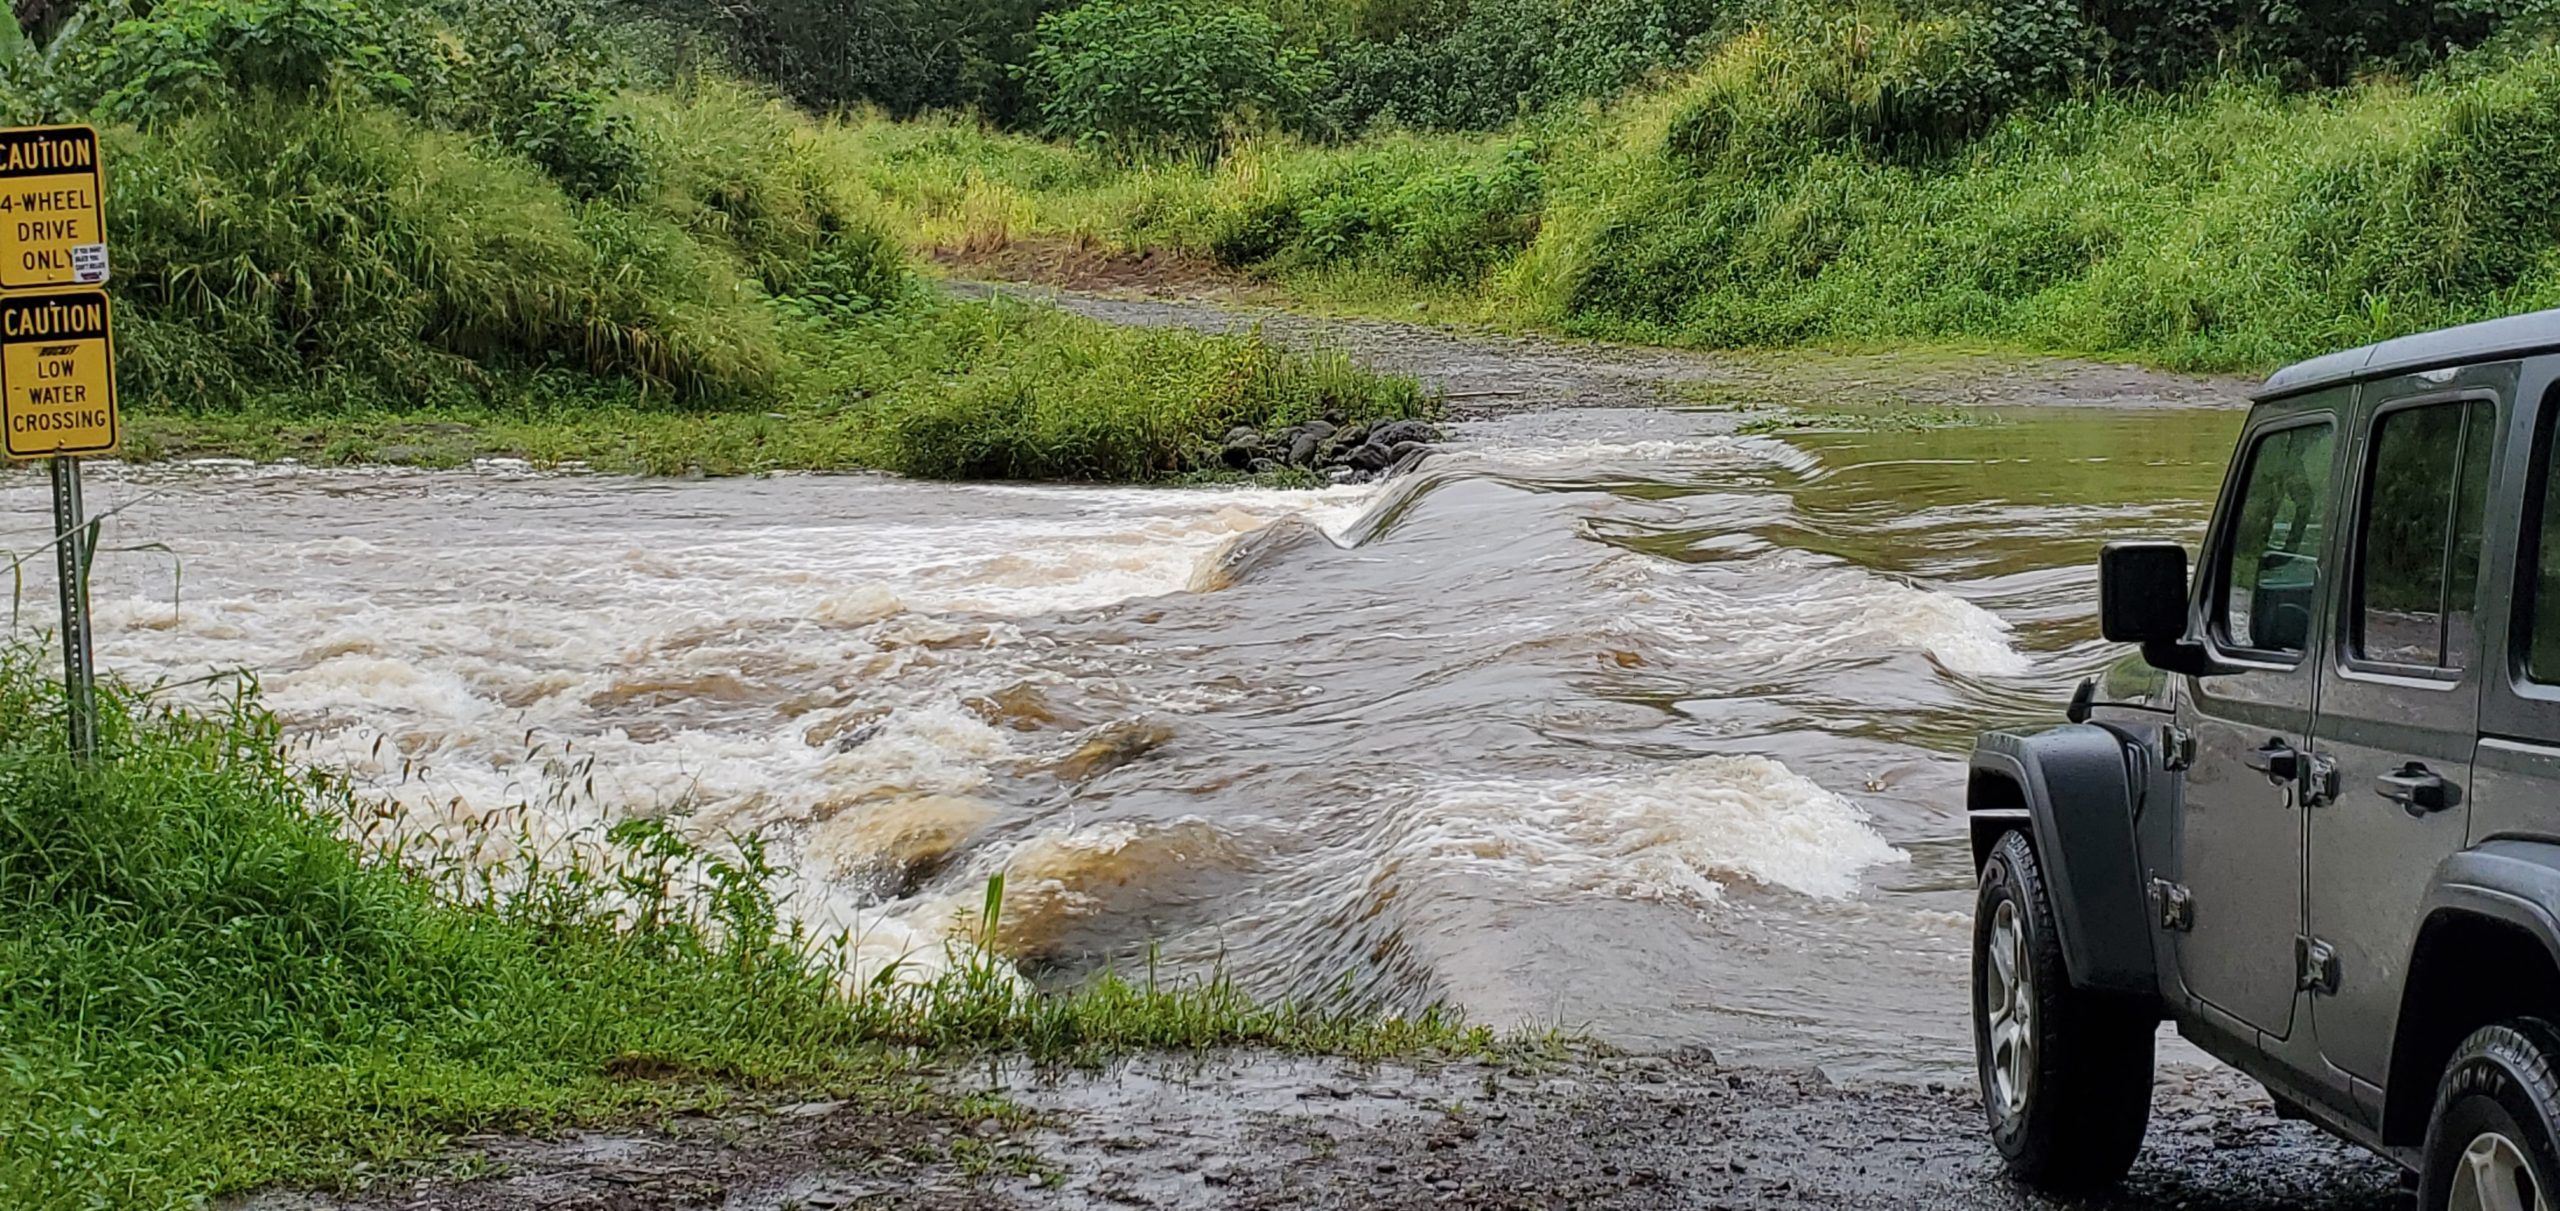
[(1262, 466), (1395, 432), (1302, 452), (1242, 446), (1371, 457)]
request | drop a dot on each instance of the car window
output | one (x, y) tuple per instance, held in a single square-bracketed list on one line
[(2542, 651), (2271, 565), (2417, 565)]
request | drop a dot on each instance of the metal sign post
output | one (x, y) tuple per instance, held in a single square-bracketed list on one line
[(71, 558)]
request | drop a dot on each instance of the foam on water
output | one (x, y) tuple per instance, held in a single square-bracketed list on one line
[(1681, 832), (1786, 609)]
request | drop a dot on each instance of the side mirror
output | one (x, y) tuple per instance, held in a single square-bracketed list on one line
[(2142, 598), (2142, 592)]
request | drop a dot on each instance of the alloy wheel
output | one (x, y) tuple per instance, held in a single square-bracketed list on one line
[(2008, 1010), (2493, 1176)]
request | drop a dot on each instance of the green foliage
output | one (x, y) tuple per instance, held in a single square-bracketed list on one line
[(206, 988), (540, 78), (1047, 397), (185, 54), (1403, 207), (1164, 75), (904, 56), (347, 250), (1478, 64), (1773, 198)]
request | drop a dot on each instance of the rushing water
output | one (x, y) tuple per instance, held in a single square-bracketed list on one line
[(1607, 719)]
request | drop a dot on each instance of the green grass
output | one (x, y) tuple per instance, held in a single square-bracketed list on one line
[(985, 389), (2231, 227), (205, 987), (336, 282)]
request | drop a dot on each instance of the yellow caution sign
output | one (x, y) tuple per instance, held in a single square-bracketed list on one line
[(53, 208), (57, 374)]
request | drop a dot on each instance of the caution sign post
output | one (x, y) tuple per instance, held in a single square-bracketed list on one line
[(58, 358), (53, 208)]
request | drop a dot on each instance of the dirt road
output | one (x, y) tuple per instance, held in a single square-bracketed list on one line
[(1490, 373)]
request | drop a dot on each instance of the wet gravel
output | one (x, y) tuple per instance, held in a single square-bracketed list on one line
[(1257, 1131)]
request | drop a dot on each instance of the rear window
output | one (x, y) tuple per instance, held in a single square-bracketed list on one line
[(2418, 549), (2542, 649)]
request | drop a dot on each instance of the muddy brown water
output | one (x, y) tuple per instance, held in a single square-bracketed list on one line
[(1610, 717)]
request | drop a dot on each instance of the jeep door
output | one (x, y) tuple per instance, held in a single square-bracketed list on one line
[(2262, 594), (2399, 697)]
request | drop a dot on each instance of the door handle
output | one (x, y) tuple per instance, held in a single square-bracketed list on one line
[(2419, 791), (2279, 761)]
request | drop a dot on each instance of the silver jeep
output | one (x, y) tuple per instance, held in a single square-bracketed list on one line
[(2316, 823)]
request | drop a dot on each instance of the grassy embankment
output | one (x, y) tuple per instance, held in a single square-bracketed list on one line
[(334, 280), (1746, 203), (204, 987)]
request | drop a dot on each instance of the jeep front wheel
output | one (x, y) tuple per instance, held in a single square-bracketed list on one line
[(2491, 1142), (2066, 1074)]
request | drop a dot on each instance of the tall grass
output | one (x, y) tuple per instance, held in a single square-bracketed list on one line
[(1766, 199), (326, 279), (205, 987)]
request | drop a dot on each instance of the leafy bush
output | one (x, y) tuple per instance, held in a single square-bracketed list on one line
[(186, 54), (1478, 64), (904, 56), (1164, 75), (541, 78), (1406, 207)]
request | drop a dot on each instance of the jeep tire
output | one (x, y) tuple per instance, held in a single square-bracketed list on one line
[(2493, 1143), (2066, 1074)]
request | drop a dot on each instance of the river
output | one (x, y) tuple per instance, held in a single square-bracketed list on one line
[(1611, 718)]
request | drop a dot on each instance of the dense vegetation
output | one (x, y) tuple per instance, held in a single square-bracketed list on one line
[(2221, 187), (339, 224), (204, 987)]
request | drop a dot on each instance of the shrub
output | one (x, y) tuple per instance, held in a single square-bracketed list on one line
[(1407, 207), (186, 54), (1479, 64), (904, 56), (1164, 76)]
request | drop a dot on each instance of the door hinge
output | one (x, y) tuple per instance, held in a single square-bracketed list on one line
[(2317, 963), (2319, 780), (2177, 907), (2177, 748)]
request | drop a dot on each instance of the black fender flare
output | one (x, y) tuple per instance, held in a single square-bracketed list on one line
[(2075, 789), (2511, 881), (2506, 887)]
